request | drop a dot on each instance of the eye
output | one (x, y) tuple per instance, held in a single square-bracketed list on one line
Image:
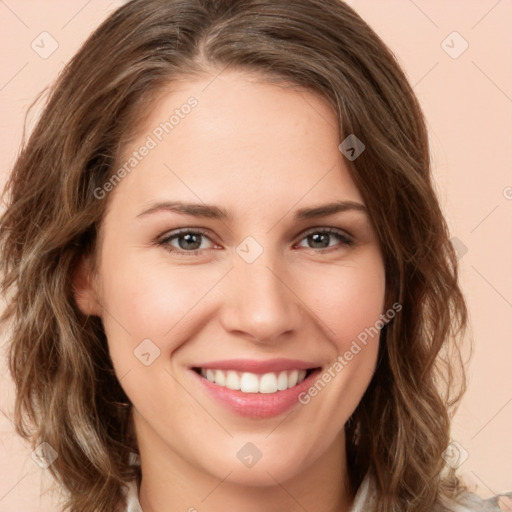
[(185, 241), (190, 242), (322, 238)]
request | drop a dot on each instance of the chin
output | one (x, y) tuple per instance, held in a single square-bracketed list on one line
[(253, 467)]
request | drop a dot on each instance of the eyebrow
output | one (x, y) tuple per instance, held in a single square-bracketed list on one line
[(215, 212)]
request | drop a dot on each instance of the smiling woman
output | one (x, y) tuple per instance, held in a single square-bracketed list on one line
[(249, 303)]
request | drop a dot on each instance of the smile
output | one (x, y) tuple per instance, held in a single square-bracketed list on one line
[(255, 388), (248, 382)]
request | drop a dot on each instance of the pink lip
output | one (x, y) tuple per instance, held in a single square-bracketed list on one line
[(257, 405), (258, 367)]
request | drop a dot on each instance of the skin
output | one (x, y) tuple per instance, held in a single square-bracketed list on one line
[(261, 151)]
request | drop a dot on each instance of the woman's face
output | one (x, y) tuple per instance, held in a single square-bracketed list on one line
[(253, 286)]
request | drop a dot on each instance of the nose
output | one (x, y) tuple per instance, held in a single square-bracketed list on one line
[(260, 302)]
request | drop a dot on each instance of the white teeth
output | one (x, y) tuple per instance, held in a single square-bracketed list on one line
[(220, 378), (268, 383), (292, 378), (282, 381), (232, 380), (248, 382)]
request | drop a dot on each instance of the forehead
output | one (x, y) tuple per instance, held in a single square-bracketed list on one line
[(235, 138)]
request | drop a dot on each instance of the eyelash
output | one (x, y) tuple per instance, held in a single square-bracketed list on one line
[(346, 240)]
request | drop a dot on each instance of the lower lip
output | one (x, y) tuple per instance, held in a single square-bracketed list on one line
[(257, 405)]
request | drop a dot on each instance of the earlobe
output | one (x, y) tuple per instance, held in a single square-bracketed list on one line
[(84, 292)]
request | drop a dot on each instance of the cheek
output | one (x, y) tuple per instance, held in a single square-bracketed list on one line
[(151, 310), (350, 305), (151, 300), (349, 302)]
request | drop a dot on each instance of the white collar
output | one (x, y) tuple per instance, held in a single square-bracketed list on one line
[(132, 497), (361, 499)]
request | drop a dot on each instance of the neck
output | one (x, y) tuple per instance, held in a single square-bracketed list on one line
[(171, 482)]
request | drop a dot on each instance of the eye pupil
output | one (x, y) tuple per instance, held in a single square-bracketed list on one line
[(318, 240), (190, 238)]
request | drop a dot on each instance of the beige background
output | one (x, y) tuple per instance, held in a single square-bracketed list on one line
[(468, 104)]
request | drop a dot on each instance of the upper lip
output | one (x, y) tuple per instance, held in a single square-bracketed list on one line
[(258, 366)]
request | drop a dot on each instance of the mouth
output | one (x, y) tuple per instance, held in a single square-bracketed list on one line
[(256, 389), (248, 382)]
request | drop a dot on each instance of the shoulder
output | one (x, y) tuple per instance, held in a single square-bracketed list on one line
[(467, 502), (365, 500)]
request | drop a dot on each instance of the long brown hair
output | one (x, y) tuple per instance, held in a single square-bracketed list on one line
[(67, 393)]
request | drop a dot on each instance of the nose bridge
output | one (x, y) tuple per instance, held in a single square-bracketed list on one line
[(258, 300)]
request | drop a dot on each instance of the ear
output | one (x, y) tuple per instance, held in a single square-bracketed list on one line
[(84, 290)]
